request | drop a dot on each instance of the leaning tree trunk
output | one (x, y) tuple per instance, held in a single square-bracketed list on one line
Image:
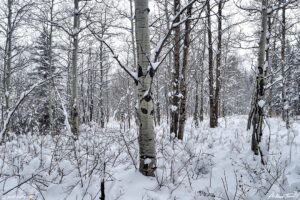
[(7, 60), (74, 97), (258, 110), (7, 57), (174, 112), (145, 107), (183, 85)]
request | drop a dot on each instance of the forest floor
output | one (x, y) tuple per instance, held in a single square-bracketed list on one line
[(207, 164)]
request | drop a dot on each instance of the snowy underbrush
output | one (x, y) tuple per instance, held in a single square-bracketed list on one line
[(45, 167), (213, 164)]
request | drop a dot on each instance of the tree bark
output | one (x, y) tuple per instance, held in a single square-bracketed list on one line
[(132, 33), (285, 103), (218, 64), (158, 117), (212, 120), (101, 106), (7, 56), (183, 84), (145, 109), (258, 111), (174, 112), (196, 109), (51, 86), (7, 63), (168, 67), (201, 117), (74, 98)]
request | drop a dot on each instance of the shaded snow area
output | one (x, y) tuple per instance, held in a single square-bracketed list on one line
[(207, 164)]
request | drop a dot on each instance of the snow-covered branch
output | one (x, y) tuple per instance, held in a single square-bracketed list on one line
[(133, 75), (18, 103), (154, 59)]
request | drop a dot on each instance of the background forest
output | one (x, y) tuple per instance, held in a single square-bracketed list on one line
[(149, 99)]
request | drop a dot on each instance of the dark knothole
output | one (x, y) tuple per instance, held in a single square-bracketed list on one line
[(147, 98), (140, 71), (145, 111), (152, 112), (151, 72)]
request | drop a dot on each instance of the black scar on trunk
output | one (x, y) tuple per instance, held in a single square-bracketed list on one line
[(147, 98), (145, 111), (151, 72), (152, 112), (140, 71)]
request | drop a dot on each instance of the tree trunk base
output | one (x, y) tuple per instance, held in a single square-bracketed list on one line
[(147, 166)]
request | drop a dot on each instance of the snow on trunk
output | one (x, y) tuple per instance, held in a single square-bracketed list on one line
[(258, 110)]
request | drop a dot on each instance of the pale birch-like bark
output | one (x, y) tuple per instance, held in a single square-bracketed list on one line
[(145, 107), (132, 33), (74, 93)]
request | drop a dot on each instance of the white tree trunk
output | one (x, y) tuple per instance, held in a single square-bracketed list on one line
[(145, 103)]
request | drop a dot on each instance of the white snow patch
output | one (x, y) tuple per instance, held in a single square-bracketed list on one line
[(173, 108), (261, 103), (147, 161)]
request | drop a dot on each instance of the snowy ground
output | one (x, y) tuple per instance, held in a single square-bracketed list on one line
[(208, 164)]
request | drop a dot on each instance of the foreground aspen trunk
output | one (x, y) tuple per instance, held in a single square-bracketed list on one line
[(145, 103), (257, 113)]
